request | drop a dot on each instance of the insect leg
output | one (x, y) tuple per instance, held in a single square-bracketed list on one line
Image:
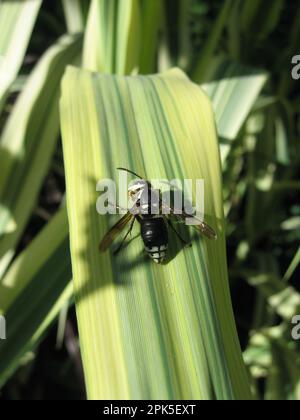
[(133, 210), (116, 206), (125, 237), (183, 241)]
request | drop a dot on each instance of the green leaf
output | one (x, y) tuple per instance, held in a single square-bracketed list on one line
[(28, 141), (146, 330), (17, 19), (74, 15), (273, 356), (282, 142), (151, 22), (32, 295), (253, 21), (211, 43), (233, 94), (292, 267), (47, 243), (112, 36), (283, 299)]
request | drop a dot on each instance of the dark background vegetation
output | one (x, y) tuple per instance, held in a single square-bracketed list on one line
[(55, 372)]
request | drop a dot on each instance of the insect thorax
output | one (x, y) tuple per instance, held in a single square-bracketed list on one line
[(149, 203)]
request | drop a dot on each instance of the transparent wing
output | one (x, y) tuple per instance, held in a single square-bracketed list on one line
[(114, 232), (201, 226)]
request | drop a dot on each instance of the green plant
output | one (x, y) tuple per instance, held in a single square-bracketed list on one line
[(147, 332), (188, 316)]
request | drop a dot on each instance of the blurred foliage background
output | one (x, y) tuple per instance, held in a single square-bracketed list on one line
[(213, 41)]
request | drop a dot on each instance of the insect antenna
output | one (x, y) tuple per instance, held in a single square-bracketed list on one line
[(131, 172)]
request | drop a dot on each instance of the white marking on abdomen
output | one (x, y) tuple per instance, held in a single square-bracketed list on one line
[(157, 253)]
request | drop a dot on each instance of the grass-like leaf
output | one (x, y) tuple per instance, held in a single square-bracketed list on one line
[(73, 15), (17, 19), (36, 291), (233, 91), (146, 330), (28, 141), (14, 283), (212, 41), (112, 36)]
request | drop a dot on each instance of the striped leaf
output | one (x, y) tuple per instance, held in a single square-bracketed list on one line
[(233, 92), (17, 19), (112, 35), (28, 141), (73, 15), (31, 295), (146, 330)]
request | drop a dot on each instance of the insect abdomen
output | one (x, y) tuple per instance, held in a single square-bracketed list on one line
[(155, 236)]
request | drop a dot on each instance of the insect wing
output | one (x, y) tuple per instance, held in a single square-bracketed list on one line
[(114, 232), (200, 226), (204, 228)]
